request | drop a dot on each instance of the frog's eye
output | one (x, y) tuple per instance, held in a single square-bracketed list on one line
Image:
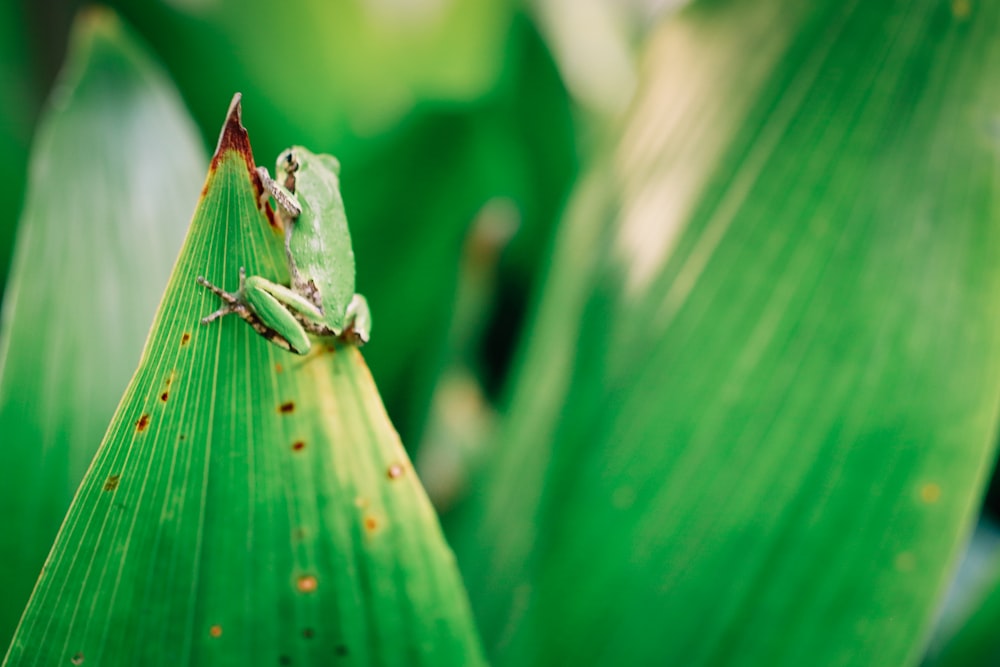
[(287, 162)]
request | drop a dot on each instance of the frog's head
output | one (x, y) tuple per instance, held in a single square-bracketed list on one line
[(298, 158)]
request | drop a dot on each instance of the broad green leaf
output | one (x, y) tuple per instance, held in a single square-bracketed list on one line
[(111, 171), (782, 388), (496, 532), (248, 505)]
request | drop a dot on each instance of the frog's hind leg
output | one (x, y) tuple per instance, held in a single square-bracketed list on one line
[(232, 301), (237, 302)]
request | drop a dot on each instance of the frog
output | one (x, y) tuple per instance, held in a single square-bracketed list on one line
[(320, 299)]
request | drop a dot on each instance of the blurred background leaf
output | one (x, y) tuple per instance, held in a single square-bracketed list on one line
[(16, 115), (780, 399), (256, 505), (974, 640), (330, 70), (114, 167)]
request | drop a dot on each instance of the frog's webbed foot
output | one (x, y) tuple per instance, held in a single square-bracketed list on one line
[(359, 321), (284, 198)]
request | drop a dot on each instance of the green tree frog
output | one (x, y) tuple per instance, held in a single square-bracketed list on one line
[(320, 299)]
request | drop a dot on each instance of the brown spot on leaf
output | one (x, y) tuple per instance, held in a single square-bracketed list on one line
[(370, 524), (185, 339), (272, 219), (278, 368), (77, 658), (306, 583), (905, 561), (308, 633), (299, 534), (234, 138), (164, 396), (215, 631), (395, 471), (930, 493), (287, 407), (182, 437), (142, 424), (298, 446), (112, 482)]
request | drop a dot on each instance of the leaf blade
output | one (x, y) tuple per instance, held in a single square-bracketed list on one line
[(773, 439), (263, 510), (94, 253)]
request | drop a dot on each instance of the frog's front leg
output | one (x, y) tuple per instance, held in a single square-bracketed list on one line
[(255, 305), (286, 201)]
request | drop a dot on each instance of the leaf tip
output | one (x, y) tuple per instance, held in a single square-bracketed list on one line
[(234, 136)]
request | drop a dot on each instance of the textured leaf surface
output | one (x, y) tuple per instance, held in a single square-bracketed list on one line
[(248, 506), (783, 391), (112, 168)]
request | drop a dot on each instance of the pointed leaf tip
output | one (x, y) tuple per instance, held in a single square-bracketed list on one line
[(234, 136)]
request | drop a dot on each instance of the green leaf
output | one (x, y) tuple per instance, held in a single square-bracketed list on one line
[(248, 506), (782, 391), (111, 169)]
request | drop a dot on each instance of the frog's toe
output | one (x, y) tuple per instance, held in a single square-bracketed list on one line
[(225, 310)]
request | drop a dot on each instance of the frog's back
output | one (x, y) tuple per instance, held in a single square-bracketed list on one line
[(321, 241)]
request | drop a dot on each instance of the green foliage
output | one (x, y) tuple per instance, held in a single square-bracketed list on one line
[(256, 505), (442, 104), (114, 166), (759, 401), (751, 413), (329, 69)]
